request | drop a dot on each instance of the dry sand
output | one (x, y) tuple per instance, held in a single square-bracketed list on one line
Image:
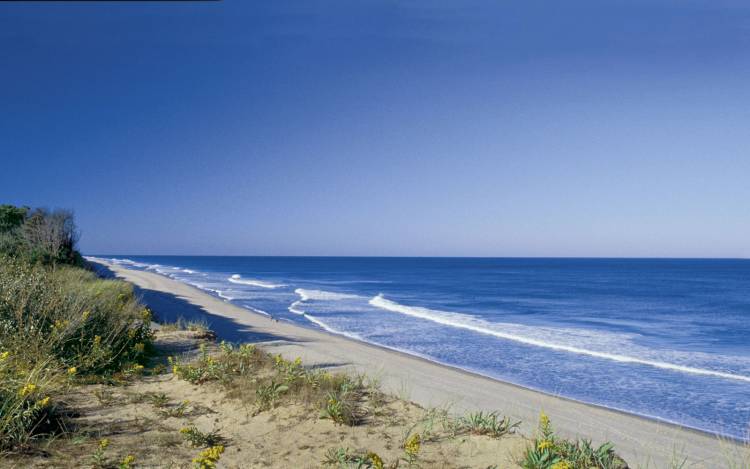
[(642, 442), (291, 435)]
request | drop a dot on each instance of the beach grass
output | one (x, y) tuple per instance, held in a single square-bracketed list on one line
[(60, 326)]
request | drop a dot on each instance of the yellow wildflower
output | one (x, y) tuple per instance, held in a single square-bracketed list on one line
[(43, 402), (127, 461), (26, 390), (562, 465), (59, 324), (4, 356), (132, 333), (139, 347), (543, 421), (411, 447), (72, 370), (208, 458), (146, 315), (185, 430), (103, 444), (97, 340), (377, 463), (85, 315), (544, 444)]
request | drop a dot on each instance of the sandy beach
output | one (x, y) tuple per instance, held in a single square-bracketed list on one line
[(642, 442)]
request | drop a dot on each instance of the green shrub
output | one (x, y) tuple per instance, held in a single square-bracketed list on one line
[(345, 458), (341, 407), (489, 424), (266, 396), (199, 439), (206, 368), (548, 451)]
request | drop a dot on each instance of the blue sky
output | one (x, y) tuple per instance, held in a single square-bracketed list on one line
[(511, 128)]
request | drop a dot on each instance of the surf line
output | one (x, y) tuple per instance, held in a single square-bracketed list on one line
[(423, 313)]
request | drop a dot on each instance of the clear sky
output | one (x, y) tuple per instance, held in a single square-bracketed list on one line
[(479, 128)]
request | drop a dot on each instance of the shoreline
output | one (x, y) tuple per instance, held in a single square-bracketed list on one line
[(474, 373), (477, 374), (644, 441)]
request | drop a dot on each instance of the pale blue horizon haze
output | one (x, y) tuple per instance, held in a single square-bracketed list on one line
[(418, 128)]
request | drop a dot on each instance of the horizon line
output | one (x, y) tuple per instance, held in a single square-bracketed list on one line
[(428, 257)]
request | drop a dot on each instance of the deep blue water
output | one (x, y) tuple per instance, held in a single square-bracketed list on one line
[(666, 338)]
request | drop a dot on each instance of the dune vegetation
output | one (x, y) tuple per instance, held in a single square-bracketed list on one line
[(86, 382), (59, 324)]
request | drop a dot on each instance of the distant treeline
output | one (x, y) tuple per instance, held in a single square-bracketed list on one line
[(39, 235)]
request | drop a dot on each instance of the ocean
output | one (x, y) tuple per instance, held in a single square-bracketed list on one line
[(667, 339)]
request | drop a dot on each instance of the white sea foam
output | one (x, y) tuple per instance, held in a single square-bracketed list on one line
[(128, 262), (256, 310), (330, 329), (464, 321), (237, 278), (295, 308), (188, 271), (222, 295), (322, 295)]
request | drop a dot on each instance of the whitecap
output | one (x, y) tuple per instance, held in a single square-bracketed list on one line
[(322, 295), (295, 308), (330, 329), (237, 278)]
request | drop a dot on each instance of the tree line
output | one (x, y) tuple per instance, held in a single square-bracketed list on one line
[(39, 235)]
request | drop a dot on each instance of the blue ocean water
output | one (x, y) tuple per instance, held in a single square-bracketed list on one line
[(667, 338)]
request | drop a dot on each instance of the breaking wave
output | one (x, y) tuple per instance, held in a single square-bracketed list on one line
[(237, 278), (322, 295), (471, 323)]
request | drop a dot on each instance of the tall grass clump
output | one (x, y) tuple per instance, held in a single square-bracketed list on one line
[(491, 424), (71, 319), (25, 404), (548, 451)]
